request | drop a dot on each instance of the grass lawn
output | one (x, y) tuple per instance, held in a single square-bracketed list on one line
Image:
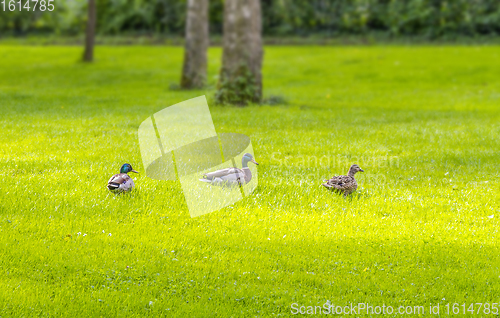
[(423, 122)]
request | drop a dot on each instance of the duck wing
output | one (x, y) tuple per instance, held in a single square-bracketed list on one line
[(339, 182), (225, 174), (121, 181)]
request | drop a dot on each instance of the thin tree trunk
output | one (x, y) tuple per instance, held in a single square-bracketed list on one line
[(240, 77), (88, 55), (194, 72)]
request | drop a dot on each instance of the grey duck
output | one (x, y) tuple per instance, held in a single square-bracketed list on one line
[(231, 176)]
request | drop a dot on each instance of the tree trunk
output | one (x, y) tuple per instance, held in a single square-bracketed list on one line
[(194, 72), (88, 55), (240, 79)]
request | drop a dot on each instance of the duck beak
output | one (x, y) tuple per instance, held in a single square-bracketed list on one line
[(253, 160), (135, 171), (361, 170)]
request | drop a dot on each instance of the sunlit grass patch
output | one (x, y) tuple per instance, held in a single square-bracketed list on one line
[(423, 122)]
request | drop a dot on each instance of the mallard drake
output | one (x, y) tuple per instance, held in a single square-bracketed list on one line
[(122, 182), (344, 184), (231, 176)]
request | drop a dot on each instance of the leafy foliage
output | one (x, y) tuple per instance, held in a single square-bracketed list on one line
[(432, 18)]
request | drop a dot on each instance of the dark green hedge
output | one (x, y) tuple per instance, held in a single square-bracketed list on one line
[(431, 18)]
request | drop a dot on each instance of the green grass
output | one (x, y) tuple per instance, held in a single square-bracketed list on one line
[(423, 122)]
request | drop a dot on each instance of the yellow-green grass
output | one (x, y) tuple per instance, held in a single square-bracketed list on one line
[(423, 122)]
